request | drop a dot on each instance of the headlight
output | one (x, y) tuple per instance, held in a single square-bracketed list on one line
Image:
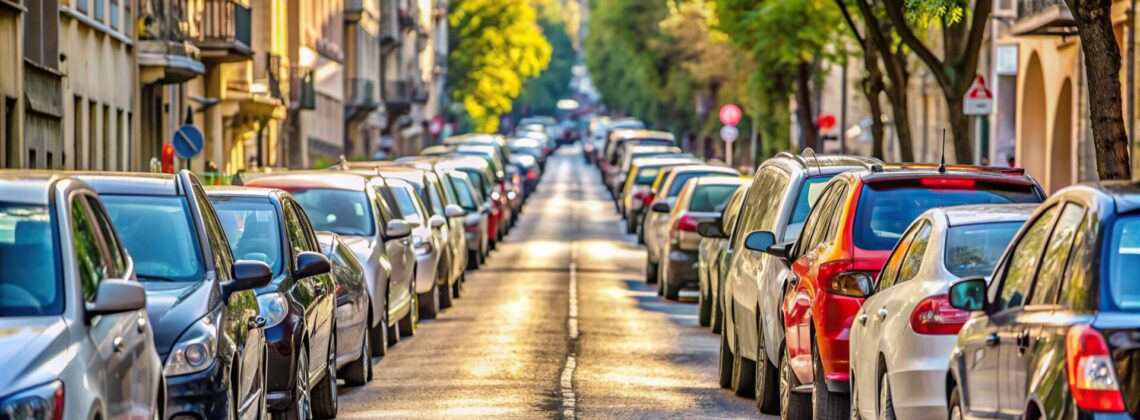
[(495, 196), (511, 195), (44, 402), (195, 349), (274, 308)]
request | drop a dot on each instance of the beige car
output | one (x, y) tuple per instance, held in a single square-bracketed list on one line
[(665, 191)]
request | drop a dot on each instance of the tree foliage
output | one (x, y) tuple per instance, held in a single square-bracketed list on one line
[(496, 45), (559, 22)]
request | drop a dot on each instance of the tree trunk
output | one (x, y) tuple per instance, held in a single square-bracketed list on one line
[(898, 98), (809, 136), (873, 89), (1102, 66), (960, 130)]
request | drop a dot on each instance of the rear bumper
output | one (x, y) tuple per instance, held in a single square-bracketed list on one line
[(919, 394), (683, 267)]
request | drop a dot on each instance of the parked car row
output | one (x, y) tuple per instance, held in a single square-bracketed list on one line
[(846, 287), (131, 295)]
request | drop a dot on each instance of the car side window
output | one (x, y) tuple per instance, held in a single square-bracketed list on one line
[(295, 230), (731, 210), (436, 199), (114, 247), (215, 236), (1025, 257), (1047, 287), (89, 256), (890, 270), (382, 207), (835, 208), (912, 262), (816, 225), (1078, 289)]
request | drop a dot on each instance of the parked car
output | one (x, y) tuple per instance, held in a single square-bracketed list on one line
[(697, 202), (72, 316), (655, 223), (605, 129), (479, 173), (529, 147), (844, 243), (610, 163), (298, 304), (778, 200), (529, 171), (475, 222), (350, 205), (625, 156), (712, 260), (353, 343), (1052, 334), (200, 302), (903, 334), (637, 193), (516, 192), (432, 285), (497, 141)]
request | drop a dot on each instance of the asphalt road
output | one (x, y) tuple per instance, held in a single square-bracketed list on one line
[(559, 324)]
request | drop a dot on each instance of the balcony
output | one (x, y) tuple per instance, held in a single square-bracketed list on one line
[(165, 53), (222, 31), (353, 10), (1043, 17), (360, 98), (397, 95)]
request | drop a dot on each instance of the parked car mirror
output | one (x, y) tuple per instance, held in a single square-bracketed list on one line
[(310, 264), (969, 294), (454, 210), (662, 207), (397, 229), (760, 240), (247, 275), (436, 221), (710, 229), (782, 251), (116, 296)]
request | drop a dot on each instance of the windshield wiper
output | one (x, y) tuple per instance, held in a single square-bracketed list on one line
[(154, 278)]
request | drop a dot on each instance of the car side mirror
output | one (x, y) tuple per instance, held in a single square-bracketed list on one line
[(454, 210), (781, 251), (397, 229), (710, 229), (436, 221), (662, 207), (247, 275), (969, 294), (310, 264), (760, 240), (116, 296)]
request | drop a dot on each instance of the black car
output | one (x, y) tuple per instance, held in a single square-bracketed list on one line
[(200, 301), (268, 225), (1056, 332), (353, 344)]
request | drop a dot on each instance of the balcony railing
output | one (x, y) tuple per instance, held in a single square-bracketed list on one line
[(224, 31), (396, 92), (274, 70), (1043, 17), (361, 92), (163, 20)]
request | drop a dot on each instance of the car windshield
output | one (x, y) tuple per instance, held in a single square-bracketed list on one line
[(886, 210), (466, 199), (158, 234), (680, 179), (30, 281), (1123, 257), (805, 199), (346, 212), (973, 250), (645, 176), (707, 198), (252, 228)]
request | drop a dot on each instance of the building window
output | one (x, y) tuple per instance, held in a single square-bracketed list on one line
[(108, 141), (81, 5), (92, 137), (98, 10), (114, 14)]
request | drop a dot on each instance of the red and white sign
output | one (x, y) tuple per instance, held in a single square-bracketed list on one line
[(979, 100), (436, 126), (730, 114)]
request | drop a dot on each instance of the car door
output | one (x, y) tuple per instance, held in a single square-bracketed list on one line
[(798, 305), (312, 292), (400, 253), (110, 333)]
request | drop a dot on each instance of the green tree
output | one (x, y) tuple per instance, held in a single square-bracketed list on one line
[(495, 46), (540, 95)]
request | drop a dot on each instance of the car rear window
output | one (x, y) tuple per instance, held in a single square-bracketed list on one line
[(973, 250), (645, 176), (30, 284), (157, 232), (681, 178), (707, 198), (886, 209), (1124, 257), (345, 212)]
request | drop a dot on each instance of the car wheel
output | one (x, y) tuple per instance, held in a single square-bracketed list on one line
[(793, 405), (743, 376), (445, 293), (704, 313), (824, 403), (380, 331), (457, 289), (429, 303), (955, 404), (302, 407), (766, 380), (724, 367), (640, 235), (716, 324), (325, 395), (473, 260), (650, 271), (886, 403), (410, 322), (672, 290), (629, 226), (359, 371)]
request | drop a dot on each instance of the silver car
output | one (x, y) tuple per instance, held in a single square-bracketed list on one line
[(73, 323), (905, 331), (429, 241), (657, 219)]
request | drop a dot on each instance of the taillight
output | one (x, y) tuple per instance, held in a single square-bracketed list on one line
[(531, 174), (647, 199), (850, 283), (685, 223), (934, 315), (1092, 378)]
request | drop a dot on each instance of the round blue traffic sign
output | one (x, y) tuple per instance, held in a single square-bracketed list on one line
[(188, 142)]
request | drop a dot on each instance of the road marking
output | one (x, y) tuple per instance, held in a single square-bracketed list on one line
[(569, 396)]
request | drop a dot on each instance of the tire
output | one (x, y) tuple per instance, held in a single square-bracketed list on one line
[(457, 289), (886, 402), (629, 226), (359, 371), (767, 381), (491, 244), (704, 313), (325, 395), (445, 294), (724, 365), (824, 403), (793, 405), (408, 324), (650, 271), (301, 408), (380, 332), (956, 403), (716, 323), (671, 289), (473, 260), (743, 376), (640, 235), (429, 303)]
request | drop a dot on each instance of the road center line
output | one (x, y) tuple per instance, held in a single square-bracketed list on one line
[(569, 396)]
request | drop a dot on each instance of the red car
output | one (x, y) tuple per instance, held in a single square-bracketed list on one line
[(844, 243)]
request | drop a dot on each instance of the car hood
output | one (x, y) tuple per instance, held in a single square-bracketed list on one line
[(34, 351), (172, 307)]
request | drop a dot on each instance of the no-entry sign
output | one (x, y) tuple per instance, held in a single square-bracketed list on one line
[(730, 114)]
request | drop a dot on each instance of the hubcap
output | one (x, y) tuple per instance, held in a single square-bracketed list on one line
[(304, 404), (785, 387)]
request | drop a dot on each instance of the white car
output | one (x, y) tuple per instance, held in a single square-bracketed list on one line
[(903, 335)]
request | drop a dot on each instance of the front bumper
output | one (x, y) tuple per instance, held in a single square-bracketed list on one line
[(202, 395)]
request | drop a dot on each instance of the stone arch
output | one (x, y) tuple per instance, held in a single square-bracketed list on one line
[(1061, 148), (1033, 121)]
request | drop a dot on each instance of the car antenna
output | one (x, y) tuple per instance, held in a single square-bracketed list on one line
[(942, 162), (816, 159)]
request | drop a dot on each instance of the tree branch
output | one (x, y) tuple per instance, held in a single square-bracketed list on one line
[(982, 10), (895, 13), (850, 22)]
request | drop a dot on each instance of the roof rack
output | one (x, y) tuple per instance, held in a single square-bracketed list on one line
[(955, 167)]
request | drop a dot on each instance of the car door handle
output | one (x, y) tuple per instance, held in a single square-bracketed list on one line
[(141, 323), (863, 319), (993, 339), (118, 344), (257, 322), (882, 313)]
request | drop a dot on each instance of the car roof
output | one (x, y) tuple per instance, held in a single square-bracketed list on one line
[(704, 168), (922, 170), (354, 181), (818, 165), (414, 175), (236, 191), (1125, 194), (623, 134), (658, 161), (642, 148), (131, 183), (26, 186), (987, 213)]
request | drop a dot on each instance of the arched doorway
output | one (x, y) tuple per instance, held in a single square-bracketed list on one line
[(1061, 152), (1033, 142)]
